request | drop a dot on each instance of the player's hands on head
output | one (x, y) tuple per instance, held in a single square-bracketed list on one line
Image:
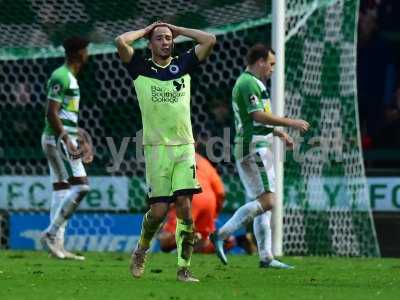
[(175, 29), (300, 124), (149, 28)]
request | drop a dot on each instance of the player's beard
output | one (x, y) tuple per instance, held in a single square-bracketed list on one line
[(166, 54)]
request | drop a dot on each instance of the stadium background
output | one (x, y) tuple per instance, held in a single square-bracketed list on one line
[(320, 78)]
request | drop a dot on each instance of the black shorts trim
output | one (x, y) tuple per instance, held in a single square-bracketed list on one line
[(187, 192), (61, 185), (78, 180), (162, 199)]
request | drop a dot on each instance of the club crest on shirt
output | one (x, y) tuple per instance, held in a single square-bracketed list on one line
[(253, 99), (56, 89), (174, 69)]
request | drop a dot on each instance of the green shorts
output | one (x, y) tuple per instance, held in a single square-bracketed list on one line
[(170, 172)]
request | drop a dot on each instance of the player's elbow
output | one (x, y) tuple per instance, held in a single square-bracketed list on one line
[(212, 40), (119, 40), (257, 116)]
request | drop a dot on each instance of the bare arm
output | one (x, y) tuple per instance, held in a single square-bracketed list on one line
[(125, 50), (270, 119), (54, 120), (124, 41), (284, 137), (205, 40)]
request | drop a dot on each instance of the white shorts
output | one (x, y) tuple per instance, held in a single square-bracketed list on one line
[(256, 172), (60, 162)]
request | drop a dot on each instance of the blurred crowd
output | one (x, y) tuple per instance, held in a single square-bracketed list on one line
[(378, 72)]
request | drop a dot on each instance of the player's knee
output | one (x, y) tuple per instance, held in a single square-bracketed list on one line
[(83, 189), (158, 211), (79, 185), (183, 209), (267, 200), (157, 216)]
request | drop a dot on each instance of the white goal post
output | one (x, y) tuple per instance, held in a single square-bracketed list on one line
[(278, 93)]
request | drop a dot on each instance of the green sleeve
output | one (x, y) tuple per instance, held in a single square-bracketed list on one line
[(56, 88), (251, 95)]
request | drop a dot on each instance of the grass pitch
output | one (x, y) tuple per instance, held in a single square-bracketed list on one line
[(32, 275)]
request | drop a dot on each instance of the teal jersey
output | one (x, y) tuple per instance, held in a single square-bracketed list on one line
[(63, 88), (164, 98), (249, 95)]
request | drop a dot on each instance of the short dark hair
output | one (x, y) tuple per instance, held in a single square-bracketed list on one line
[(150, 35), (73, 44), (258, 51)]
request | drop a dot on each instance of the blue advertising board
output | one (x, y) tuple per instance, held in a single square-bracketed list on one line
[(85, 231)]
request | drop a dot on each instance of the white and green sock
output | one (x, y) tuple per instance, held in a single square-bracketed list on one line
[(240, 218), (263, 234), (56, 201), (67, 207)]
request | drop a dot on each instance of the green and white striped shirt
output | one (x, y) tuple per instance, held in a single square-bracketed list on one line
[(249, 95), (63, 88)]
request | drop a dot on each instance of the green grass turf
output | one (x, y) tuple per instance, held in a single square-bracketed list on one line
[(32, 275)]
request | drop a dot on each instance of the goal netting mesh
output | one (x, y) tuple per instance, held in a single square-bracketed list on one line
[(326, 203), (327, 209)]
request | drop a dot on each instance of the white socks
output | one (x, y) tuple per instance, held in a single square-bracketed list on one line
[(263, 234), (56, 201), (241, 217), (68, 205)]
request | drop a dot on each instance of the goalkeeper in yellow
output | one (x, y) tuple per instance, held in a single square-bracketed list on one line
[(254, 124), (162, 84)]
